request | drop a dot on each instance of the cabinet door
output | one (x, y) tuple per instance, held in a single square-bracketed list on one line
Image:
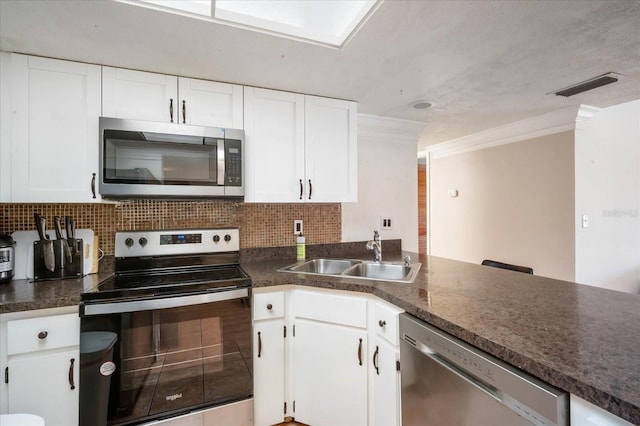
[(274, 139), (386, 384), (331, 150), (208, 103), (40, 385), (139, 95), (330, 374), (54, 130), (268, 372)]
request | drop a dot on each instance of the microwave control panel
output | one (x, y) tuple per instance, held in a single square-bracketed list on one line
[(233, 162)]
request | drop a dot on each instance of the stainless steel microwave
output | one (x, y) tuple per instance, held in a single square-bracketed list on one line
[(166, 160)]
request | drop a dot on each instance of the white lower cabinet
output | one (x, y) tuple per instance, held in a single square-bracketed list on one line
[(584, 413), (269, 357), (329, 374), (384, 409), (324, 371), (41, 385), (41, 366)]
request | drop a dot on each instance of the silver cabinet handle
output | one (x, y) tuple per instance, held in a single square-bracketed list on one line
[(301, 189), (310, 189), (171, 109), (184, 111), (93, 184)]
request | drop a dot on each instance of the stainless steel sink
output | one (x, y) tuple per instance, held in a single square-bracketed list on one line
[(381, 271), (322, 266), (349, 268)]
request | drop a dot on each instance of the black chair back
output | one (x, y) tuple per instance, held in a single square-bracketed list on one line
[(496, 264)]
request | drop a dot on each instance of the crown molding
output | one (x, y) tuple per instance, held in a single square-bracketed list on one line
[(377, 127), (561, 120), (585, 113)]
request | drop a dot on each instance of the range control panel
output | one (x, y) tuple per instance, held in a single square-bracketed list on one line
[(172, 242)]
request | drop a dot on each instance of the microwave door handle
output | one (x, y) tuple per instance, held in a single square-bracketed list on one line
[(221, 162)]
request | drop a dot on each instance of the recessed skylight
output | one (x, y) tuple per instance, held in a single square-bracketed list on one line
[(329, 22)]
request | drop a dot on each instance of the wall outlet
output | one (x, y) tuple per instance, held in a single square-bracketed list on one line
[(297, 227), (385, 223)]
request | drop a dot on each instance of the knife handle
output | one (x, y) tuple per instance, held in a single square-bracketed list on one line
[(57, 226), (41, 224), (70, 226)]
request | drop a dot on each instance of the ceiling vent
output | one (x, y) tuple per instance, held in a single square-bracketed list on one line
[(599, 81)]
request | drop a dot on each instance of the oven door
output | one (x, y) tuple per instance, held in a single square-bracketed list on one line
[(171, 355)]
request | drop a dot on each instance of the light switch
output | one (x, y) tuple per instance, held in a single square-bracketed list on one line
[(453, 193), (585, 221)]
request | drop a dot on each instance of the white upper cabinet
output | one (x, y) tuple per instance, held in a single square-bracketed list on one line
[(331, 149), (49, 141), (274, 140), (139, 95), (299, 148), (208, 103)]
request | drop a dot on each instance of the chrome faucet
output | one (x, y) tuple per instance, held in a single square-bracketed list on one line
[(376, 246)]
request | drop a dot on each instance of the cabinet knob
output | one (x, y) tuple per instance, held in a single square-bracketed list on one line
[(42, 335), (382, 323), (269, 306)]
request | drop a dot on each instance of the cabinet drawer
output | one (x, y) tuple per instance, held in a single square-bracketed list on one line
[(333, 308), (385, 319), (268, 305), (36, 334)]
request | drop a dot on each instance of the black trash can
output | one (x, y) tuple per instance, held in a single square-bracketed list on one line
[(96, 367)]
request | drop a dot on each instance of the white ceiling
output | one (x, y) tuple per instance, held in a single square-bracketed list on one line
[(482, 63)]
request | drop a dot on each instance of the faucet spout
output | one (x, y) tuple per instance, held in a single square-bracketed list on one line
[(376, 246)]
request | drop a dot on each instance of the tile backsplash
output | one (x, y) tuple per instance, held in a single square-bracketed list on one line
[(261, 225)]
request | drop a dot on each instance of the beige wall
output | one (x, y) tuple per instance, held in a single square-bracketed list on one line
[(515, 204)]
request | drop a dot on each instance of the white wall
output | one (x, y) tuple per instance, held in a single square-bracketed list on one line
[(387, 182), (515, 204), (607, 169)]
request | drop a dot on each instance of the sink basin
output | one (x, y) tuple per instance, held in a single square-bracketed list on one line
[(349, 268), (322, 266), (381, 271)]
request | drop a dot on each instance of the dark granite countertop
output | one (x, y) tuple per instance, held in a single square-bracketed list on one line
[(28, 295), (584, 340)]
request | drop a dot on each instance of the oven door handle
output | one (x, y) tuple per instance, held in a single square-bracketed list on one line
[(90, 309)]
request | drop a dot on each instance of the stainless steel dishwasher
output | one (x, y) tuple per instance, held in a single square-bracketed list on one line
[(447, 382)]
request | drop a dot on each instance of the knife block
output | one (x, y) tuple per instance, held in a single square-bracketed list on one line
[(67, 263)]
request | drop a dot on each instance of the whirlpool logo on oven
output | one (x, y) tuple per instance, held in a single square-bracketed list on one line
[(173, 397)]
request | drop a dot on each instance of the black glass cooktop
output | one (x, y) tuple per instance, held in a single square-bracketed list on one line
[(169, 282)]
